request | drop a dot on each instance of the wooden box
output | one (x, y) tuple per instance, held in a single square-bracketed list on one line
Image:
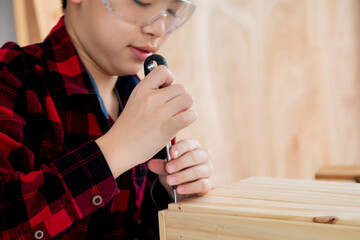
[(267, 208)]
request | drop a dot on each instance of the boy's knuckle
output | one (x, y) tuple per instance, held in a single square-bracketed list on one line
[(196, 143), (194, 155), (148, 99), (162, 68), (211, 168), (180, 88), (189, 99), (184, 119), (208, 152), (203, 184), (199, 171)]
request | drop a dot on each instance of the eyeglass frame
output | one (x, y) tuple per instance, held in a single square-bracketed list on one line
[(156, 17)]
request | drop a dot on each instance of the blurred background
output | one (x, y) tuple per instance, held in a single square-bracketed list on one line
[(7, 24), (276, 82)]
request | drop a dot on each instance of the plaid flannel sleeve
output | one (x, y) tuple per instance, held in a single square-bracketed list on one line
[(51, 199), (44, 203)]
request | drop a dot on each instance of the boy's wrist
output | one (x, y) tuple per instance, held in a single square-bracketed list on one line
[(112, 153)]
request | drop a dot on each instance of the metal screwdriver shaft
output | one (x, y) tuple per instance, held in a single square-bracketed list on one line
[(168, 158)]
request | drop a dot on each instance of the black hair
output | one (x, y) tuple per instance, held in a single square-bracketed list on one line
[(64, 4)]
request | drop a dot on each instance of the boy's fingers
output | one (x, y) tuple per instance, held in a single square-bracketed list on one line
[(180, 103), (199, 187), (172, 92), (183, 120), (189, 159), (183, 147), (159, 77), (195, 173)]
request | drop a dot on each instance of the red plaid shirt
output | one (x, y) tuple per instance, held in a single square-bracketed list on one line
[(55, 182)]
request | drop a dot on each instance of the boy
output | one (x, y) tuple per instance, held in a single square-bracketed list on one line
[(77, 128)]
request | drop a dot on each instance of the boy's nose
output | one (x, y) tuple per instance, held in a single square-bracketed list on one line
[(156, 28)]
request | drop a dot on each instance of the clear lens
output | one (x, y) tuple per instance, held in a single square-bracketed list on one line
[(144, 12)]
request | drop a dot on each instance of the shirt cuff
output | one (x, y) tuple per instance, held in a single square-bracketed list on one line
[(87, 178), (159, 195)]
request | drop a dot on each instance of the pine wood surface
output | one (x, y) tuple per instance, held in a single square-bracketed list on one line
[(276, 84), (268, 208), (199, 226), (34, 19), (300, 200)]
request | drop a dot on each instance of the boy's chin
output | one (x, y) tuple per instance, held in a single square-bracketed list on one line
[(133, 70)]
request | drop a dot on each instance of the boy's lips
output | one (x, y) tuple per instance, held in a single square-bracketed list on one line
[(143, 52)]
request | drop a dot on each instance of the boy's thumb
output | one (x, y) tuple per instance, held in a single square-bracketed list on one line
[(159, 77), (157, 166)]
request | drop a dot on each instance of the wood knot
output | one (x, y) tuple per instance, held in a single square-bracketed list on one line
[(357, 179), (326, 219)]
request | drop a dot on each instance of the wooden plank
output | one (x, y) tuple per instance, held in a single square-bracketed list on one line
[(281, 199), (200, 226), (26, 24), (285, 183), (32, 23), (267, 209), (278, 96), (162, 225), (352, 193), (338, 172), (34, 19), (294, 213), (248, 202), (20, 15), (293, 190), (291, 196), (47, 14)]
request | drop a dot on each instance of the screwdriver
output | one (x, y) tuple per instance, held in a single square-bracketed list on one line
[(150, 64)]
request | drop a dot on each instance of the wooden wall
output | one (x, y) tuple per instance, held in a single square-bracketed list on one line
[(35, 18), (276, 83)]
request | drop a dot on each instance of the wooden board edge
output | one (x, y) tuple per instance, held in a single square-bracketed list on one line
[(162, 225), (199, 226)]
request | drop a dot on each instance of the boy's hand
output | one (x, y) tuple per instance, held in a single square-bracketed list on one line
[(150, 119), (190, 169)]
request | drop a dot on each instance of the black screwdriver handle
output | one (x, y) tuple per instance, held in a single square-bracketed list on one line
[(149, 63)]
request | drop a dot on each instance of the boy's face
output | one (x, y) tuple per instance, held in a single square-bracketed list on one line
[(108, 43)]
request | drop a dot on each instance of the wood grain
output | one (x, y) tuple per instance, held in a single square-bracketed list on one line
[(338, 172), (268, 208), (276, 84), (282, 199), (199, 226)]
